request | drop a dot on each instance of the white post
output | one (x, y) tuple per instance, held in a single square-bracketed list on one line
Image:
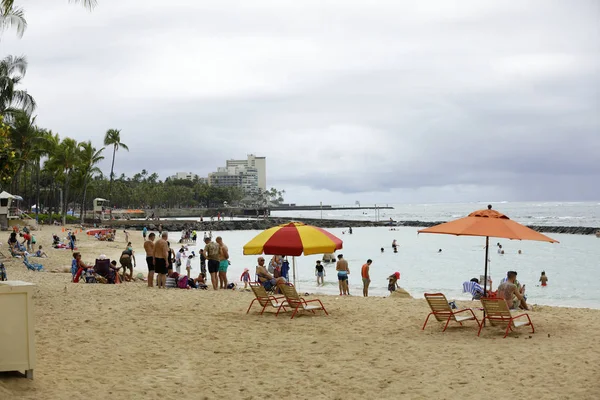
[(294, 269), (321, 210)]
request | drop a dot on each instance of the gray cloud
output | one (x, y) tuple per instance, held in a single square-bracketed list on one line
[(400, 101)]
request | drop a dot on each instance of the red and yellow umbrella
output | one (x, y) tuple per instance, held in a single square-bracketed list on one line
[(293, 239)]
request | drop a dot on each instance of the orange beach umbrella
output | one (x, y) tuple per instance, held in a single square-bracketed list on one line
[(293, 239), (488, 223)]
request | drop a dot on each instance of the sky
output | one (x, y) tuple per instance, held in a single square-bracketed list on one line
[(371, 101)]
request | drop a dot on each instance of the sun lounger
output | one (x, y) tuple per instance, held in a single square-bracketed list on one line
[(441, 310), (265, 299), (497, 312), (298, 303)]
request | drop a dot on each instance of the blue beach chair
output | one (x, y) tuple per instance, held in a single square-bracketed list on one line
[(32, 266)]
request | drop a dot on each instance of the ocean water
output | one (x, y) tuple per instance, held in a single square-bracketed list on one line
[(528, 213), (572, 266)]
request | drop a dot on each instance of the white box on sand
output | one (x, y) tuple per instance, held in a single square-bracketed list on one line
[(17, 341)]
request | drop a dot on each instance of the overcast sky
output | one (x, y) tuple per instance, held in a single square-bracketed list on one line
[(378, 101)]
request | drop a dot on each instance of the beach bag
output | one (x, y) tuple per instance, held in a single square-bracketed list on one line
[(171, 283), (183, 282), (3, 276)]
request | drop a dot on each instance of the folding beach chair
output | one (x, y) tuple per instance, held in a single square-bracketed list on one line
[(498, 313), (265, 299), (298, 303), (32, 266), (441, 310)]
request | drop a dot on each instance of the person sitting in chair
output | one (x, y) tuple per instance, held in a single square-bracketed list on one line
[(265, 278), (509, 291)]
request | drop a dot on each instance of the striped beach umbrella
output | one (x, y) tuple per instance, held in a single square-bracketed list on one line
[(293, 239)]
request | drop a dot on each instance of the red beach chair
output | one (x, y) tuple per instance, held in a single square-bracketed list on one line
[(498, 313)]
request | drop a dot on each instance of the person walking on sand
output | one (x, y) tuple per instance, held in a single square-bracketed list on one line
[(126, 236), (320, 273), (245, 277), (223, 262), (342, 270), (149, 248), (211, 251), (145, 233), (366, 278), (161, 260), (543, 278), (188, 265)]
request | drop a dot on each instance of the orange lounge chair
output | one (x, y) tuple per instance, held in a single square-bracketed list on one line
[(442, 311), (298, 303), (498, 313), (265, 300)]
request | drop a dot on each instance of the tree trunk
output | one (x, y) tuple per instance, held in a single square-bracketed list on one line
[(83, 200), (66, 198), (37, 190), (112, 167)]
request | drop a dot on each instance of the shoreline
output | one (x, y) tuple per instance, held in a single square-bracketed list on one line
[(261, 224)]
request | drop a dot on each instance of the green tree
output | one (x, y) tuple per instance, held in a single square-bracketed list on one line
[(89, 157), (63, 161), (12, 99), (113, 138), (8, 157)]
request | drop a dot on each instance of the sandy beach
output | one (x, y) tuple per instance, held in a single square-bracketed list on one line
[(129, 341)]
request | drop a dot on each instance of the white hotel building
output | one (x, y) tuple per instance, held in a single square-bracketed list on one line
[(249, 174)]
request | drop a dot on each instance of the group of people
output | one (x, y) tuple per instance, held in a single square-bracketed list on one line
[(161, 259)]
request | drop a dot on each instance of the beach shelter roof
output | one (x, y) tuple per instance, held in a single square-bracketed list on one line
[(293, 239), (488, 223), (6, 195)]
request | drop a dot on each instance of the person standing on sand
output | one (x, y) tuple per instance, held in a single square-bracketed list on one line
[(161, 259), (366, 278), (320, 273), (211, 251), (342, 269), (223, 262), (145, 233), (149, 248)]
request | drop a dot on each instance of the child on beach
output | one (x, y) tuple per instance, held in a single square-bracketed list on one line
[(201, 281), (245, 277), (393, 282), (544, 278), (188, 264), (320, 273), (40, 253)]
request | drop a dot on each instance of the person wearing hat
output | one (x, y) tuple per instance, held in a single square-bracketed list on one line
[(245, 277), (320, 273), (393, 281)]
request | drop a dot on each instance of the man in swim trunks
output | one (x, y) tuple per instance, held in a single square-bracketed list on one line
[(161, 257), (342, 269), (149, 247), (211, 251), (366, 278), (223, 262)]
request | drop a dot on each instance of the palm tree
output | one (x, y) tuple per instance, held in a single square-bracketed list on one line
[(12, 71), (90, 4), (113, 138), (88, 158), (64, 160), (24, 137), (11, 16)]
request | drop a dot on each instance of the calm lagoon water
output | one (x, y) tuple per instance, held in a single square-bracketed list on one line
[(571, 265)]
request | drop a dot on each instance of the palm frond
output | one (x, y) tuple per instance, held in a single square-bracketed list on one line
[(12, 18), (123, 146), (89, 4)]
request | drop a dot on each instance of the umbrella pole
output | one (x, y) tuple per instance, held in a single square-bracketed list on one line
[(294, 269), (485, 279)]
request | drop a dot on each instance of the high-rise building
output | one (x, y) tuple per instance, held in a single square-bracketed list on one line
[(252, 162)]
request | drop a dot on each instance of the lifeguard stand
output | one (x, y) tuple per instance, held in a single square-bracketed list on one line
[(101, 209), (8, 208)]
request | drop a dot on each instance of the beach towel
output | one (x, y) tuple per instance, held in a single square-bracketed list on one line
[(474, 288)]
